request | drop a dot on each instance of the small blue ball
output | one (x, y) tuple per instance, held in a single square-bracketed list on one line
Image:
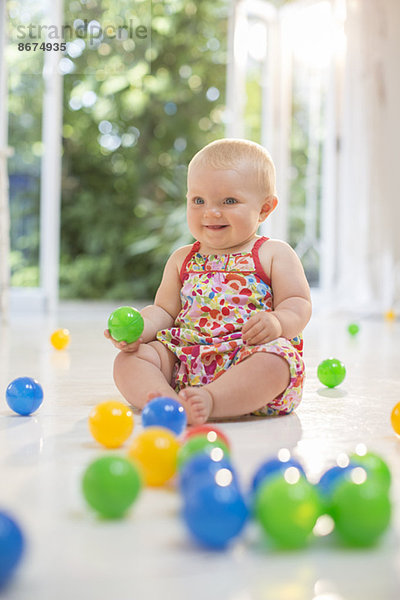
[(214, 514), (24, 395), (271, 467), (165, 412), (202, 465), (331, 478), (11, 547)]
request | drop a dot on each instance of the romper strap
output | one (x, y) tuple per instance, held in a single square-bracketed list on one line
[(195, 248), (259, 270)]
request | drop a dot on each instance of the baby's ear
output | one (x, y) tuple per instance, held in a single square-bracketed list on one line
[(269, 204)]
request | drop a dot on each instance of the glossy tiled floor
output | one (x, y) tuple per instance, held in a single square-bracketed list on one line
[(147, 556)]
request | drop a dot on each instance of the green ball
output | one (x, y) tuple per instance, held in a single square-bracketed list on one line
[(110, 485), (126, 324), (361, 511), (353, 328), (331, 372), (375, 466), (198, 444), (287, 511)]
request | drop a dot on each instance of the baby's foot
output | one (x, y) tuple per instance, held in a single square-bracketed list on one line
[(198, 404), (158, 393)]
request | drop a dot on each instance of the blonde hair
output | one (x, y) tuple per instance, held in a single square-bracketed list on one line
[(229, 152)]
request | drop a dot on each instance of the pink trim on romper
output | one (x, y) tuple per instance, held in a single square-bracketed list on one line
[(193, 250), (259, 270), (254, 252)]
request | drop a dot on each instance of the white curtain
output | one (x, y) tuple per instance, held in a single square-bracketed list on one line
[(367, 216)]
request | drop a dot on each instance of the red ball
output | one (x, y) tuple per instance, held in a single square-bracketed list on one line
[(207, 430)]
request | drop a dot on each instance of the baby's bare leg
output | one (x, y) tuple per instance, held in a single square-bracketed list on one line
[(140, 373), (242, 389)]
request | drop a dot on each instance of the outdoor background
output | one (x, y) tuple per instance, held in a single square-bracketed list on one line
[(127, 140)]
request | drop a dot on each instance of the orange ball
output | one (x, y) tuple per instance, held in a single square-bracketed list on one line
[(111, 423), (60, 339), (155, 451), (395, 418)]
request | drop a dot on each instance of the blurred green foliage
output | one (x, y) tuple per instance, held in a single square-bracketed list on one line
[(135, 112)]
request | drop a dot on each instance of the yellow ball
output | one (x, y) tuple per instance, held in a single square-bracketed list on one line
[(111, 423), (155, 451), (60, 339), (390, 315)]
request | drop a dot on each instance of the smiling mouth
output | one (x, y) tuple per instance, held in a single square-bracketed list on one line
[(215, 226)]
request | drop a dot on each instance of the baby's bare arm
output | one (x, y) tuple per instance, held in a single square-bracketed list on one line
[(154, 319), (167, 304), (291, 294), (168, 294)]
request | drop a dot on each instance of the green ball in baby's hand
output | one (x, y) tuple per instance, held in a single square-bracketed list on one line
[(126, 324)]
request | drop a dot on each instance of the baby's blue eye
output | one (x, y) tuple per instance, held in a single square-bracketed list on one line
[(198, 200), (230, 201)]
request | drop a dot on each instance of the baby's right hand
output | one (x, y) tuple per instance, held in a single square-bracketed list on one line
[(123, 346)]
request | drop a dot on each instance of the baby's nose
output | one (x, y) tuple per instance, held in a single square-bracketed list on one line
[(215, 212)]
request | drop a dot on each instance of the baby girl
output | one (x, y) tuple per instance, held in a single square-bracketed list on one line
[(223, 335)]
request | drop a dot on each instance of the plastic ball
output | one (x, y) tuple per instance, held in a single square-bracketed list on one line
[(203, 465), (272, 467), (165, 412), (330, 478), (287, 507), (361, 508), (395, 418), (110, 485), (201, 444), (12, 546), (126, 324), (375, 466), (60, 339), (24, 395), (390, 315), (111, 423), (214, 512), (328, 482), (155, 451), (353, 328), (210, 431), (331, 372)]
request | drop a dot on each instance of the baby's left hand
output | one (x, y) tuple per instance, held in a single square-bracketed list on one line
[(261, 328)]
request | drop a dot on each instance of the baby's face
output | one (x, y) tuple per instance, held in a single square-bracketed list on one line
[(225, 207)]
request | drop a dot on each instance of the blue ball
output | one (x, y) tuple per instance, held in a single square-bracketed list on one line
[(271, 467), (214, 514), (165, 412), (202, 465), (331, 478), (24, 395), (11, 547)]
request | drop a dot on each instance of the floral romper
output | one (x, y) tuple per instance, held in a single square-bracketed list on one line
[(219, 293)]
